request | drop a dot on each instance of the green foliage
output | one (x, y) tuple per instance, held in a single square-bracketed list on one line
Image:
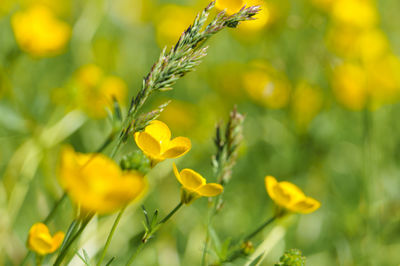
[(292, 257)]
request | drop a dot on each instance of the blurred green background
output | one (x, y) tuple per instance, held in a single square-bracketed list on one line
[(318, 81)]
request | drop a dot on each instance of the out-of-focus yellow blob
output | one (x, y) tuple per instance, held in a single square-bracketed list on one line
[(261, 19), (289, 196), (231, 6), (96, 183), (372, 45), (266, 86), (41, 242), (172, 21), (349, 86), (39, 33), (355, 13), (384, 80), (180, 116), (306, 103), (96, 91)]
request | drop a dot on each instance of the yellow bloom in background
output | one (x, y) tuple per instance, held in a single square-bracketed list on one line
[(155, 141), (40, 240), (194, 185), (349, 86), (306, 103), (231, 6), (289, 196), (266, 86), (96, 90), (172, 21), (261, 19), (96, 183), (355, 13), (383, 80), (372, 45), (39, 33)]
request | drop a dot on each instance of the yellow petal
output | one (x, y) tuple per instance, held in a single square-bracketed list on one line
[(292, 190), (210, 190), (307, 205), (176, 173), (57, 241), (148, 144), (270, 183), (159, 131), (177, 147), (191, 179)]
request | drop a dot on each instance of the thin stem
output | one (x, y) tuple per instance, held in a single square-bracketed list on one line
[(259, 229), (39, 260), (68, 244), (238, 252), (144, 240), (110, 235), (169, 215), (55, 208)]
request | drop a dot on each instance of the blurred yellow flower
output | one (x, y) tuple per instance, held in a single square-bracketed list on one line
[(96, 182), (194, 185), (173, 20), (39, 33), (372, 45), (155, 141), (231, 6), (355, 13), (40, 240), (96, 90), (306, 103), (289, 196), (349, 86), (262, 18), (266, 86), (383, 80)]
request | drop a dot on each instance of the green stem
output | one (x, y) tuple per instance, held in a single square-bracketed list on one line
[(259, 229), (238, 252), (151, 233), (110, 235), (39, 260), (169, 215), (72, 239), (55, 208)]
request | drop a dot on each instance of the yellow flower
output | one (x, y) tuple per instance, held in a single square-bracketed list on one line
[(349, 86), (155, 141), (39, 33), (194, 185), (343, 12), (266, 86), (231, 6), (289, 196), (96, 90), (40, 240), (96, 182), (306, 103), (173, 21)]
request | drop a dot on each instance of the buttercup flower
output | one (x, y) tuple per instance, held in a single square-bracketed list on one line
[(194, 185), (39, 33), (155, 141), (40, 240), (289, 196), (97, 183), (231, 6)]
